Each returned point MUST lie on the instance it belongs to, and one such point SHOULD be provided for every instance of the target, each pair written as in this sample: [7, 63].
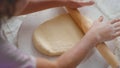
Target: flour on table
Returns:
[111, 8]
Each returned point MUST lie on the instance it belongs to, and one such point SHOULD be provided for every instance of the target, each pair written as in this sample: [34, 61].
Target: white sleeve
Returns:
[11, 57]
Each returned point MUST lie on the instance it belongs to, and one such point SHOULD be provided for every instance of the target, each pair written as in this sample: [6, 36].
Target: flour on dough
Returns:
[57, 35]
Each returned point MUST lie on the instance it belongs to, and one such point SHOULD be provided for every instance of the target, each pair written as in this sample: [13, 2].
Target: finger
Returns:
[117, 34]
[117, 29]
[117, 24]
[86, 3]
[100, 19]
[114, 21]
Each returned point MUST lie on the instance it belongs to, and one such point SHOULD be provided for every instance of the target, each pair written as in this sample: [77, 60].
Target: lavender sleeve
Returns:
[11, 57]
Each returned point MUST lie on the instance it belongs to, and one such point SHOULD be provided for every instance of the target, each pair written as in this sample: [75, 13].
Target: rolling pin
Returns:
[84, 24]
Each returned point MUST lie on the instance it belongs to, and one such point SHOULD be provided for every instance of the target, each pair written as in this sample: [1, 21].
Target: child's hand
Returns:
[78, 3]
[105, 31]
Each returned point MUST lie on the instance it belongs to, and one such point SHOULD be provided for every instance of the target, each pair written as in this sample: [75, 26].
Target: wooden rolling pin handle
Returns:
[82, 22]
[108, 55]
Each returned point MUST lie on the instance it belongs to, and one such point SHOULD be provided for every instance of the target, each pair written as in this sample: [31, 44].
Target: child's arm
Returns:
[30, 6]
[99, 32]
[73, 57]
[13, 58]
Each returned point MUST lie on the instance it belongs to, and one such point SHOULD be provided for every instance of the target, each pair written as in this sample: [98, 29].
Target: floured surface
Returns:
[111, 8]
[57, 35]
[116, 50]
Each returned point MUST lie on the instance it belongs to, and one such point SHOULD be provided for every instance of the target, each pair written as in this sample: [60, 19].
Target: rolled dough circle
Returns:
[56, 36]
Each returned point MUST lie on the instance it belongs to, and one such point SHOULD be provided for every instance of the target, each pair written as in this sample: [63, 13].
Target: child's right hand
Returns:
[104, 31]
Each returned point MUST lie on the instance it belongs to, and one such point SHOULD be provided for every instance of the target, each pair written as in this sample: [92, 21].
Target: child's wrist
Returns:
[93, 38]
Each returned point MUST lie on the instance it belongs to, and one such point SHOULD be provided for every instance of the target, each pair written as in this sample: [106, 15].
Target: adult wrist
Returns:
[60, 2]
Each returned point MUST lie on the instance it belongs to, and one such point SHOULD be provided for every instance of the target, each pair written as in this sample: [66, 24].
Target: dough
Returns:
[57, 35]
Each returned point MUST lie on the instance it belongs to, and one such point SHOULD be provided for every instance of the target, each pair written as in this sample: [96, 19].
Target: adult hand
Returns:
[78, 3]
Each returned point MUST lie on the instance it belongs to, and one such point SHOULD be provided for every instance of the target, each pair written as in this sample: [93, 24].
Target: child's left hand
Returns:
[105, 31]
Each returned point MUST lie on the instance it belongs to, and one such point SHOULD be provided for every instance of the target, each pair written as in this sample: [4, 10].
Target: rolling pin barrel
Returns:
[84, 25]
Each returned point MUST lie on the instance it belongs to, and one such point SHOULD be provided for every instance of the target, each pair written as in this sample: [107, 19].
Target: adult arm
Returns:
[30, 6]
